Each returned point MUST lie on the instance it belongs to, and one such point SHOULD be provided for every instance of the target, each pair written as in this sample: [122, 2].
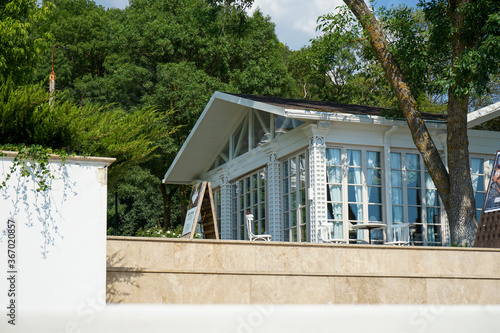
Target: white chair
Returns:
[325, 231]
[400, 234]
[251, 235]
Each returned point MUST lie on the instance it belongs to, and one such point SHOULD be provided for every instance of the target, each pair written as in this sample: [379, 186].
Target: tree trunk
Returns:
[167, 204]
[461, 208]
[454, 188]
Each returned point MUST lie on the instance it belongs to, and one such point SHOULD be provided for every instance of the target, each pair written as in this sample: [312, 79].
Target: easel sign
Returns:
[201, 206]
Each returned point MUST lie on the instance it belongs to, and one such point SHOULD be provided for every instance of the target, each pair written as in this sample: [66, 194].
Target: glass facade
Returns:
[294, 199]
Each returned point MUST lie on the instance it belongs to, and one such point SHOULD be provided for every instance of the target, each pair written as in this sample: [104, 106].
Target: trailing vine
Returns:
[32, 160]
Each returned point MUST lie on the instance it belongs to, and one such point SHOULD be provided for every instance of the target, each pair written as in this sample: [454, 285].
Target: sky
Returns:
[295, 20]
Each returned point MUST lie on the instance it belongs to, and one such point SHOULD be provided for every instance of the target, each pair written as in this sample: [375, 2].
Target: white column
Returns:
[387, 181]
[274, 196]
[317, 185]
[225, 209]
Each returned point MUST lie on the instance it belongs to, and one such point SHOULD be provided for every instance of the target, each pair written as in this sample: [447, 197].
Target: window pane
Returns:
[354, 158]
[375, 213]
[431, 198]
[414, 215]
[396, 178]
[293, 199]
[302, 162]
[412, 162]
[433, 215]
[355, 194]
[478, 183]
[374, 194]
[333, 156]
[286, 221]
[285, 203]
[373, 177]
[303, 197]
[354, 176]
[293, 167]
[335, 192]
[355, 212]
[414, 197]
[285, 169]
[373, 159]
[334, 211]
[397, 214]
[397, 196]
[395, 161]
[477, 165]
[302, 180]
[285, 186]
[479, 200]
[261, 125]
[334, 174]
[429, 183]
[413, 178]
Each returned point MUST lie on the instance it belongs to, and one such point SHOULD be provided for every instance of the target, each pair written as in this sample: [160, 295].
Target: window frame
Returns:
[346, 221]
[243, 190]
[302, 207]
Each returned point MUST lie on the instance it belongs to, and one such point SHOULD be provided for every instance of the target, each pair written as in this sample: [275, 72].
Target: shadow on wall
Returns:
[40, 207]
[119, 275]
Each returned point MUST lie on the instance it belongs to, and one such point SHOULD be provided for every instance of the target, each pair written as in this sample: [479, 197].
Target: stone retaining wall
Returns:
[180, 271]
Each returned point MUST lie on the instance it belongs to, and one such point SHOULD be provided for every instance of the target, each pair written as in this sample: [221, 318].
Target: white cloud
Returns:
[296, 19]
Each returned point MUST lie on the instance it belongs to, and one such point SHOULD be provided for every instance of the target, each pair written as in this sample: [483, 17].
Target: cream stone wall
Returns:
[179, 271]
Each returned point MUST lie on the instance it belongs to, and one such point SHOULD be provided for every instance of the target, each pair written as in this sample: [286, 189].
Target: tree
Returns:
[19, 49]
[27, 119]
[468, 33]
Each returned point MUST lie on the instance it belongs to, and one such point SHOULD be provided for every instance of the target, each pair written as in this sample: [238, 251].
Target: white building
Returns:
[299, 164]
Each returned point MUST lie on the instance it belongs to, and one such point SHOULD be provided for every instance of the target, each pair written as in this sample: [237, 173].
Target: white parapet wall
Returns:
[53, 242]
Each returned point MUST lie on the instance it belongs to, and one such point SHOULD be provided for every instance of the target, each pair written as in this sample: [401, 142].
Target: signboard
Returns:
[201, 209]
[492, 201]
[489, 223]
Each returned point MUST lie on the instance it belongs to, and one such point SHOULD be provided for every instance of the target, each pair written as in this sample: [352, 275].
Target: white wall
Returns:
[61, 235]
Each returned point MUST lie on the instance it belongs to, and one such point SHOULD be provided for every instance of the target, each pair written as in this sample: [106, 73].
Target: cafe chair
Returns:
[400, 234]
[325, 231]
[251, 235]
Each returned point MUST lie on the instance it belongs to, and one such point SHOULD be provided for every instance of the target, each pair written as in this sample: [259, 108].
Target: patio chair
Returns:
[400, 234]
[251, 235]
[325, 231]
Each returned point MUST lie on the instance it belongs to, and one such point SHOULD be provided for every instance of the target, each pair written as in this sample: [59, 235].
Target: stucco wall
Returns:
[60, 244]
[153, 270]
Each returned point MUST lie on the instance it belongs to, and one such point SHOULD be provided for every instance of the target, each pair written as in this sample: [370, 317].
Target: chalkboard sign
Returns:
[201, 208]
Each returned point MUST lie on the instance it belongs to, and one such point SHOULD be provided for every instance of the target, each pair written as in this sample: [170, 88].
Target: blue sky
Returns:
[295, 19]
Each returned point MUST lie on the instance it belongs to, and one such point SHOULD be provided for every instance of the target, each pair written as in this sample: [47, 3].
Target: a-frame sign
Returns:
[201, 208]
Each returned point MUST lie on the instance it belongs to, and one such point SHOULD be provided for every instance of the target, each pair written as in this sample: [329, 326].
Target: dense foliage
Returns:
[132, 82]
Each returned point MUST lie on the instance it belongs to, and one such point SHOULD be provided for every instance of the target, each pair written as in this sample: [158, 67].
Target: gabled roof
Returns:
[299, 104]
[224, 111]
[483, 115]
[213, 127]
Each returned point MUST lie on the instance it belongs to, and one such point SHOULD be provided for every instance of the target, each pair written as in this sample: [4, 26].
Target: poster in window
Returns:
[492, 201]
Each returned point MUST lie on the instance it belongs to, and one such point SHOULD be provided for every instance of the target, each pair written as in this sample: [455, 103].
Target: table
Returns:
[369, 226]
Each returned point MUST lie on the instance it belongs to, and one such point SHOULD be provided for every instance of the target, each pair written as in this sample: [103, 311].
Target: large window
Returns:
[294, 199]
[354, 193]
[248, 194]
[415, 199]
